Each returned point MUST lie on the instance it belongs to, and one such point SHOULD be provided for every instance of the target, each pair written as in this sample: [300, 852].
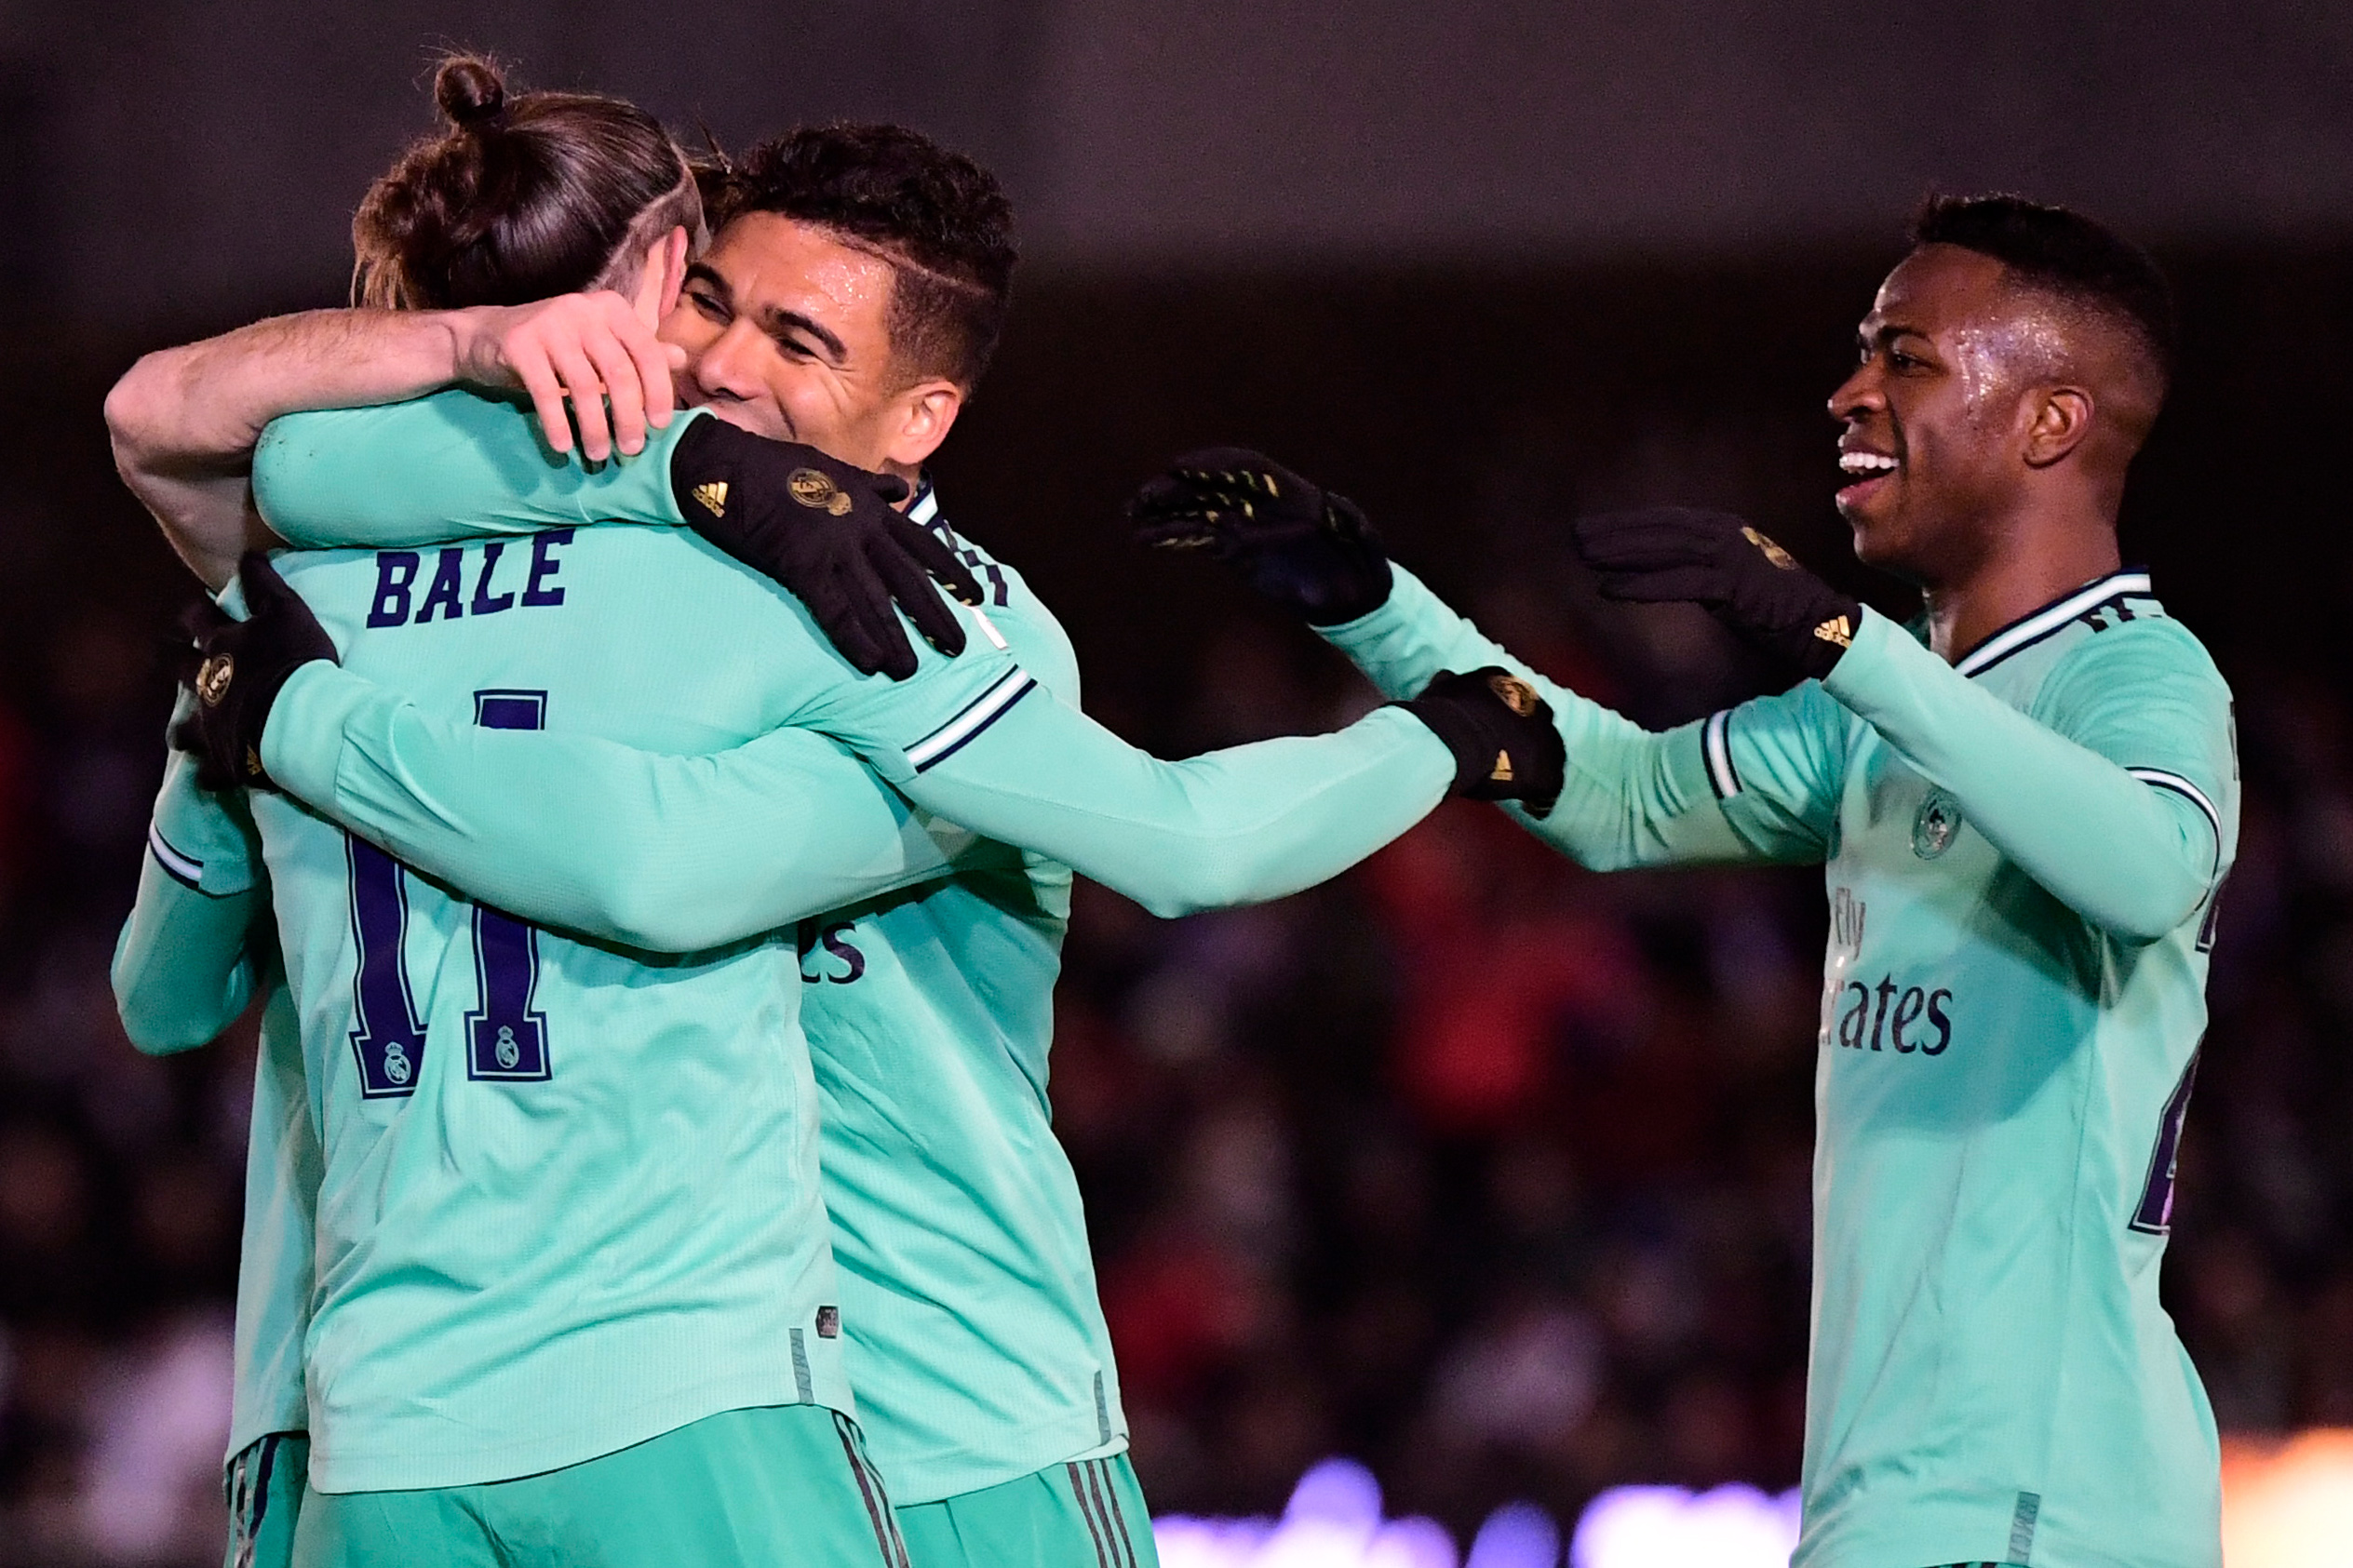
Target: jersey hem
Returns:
[397, 1467]
[1971, 1542]
[931, 1478]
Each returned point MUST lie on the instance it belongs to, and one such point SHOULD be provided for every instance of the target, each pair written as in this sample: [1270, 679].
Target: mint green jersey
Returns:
[977, 1347]
[2023, 853]
[570, 1193]
[197, 947]
[973, 1336]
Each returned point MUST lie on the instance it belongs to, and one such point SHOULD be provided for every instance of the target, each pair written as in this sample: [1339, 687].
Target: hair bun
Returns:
[470, 91]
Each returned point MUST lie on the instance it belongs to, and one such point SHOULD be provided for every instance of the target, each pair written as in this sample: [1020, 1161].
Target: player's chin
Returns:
[1876, 536]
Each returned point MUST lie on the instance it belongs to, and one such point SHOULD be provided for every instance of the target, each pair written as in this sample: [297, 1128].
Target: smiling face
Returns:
[788, 333]
[1939, 419]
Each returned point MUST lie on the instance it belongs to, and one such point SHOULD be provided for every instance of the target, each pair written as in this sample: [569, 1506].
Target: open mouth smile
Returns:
[1867, 472]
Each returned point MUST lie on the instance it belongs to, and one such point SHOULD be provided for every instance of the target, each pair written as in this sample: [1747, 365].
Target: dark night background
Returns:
[1486, 1171]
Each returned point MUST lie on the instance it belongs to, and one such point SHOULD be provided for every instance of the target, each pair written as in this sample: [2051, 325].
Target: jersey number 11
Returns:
[505, 1040]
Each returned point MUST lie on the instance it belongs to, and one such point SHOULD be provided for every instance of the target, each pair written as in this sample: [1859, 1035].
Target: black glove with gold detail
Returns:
[240, 667]
[1303, 547]
[1752, 584]
[830, 533]
[1501, 733]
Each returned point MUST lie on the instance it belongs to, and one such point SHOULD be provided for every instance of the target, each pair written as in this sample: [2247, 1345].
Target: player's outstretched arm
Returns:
[786, 826]
[457, 465]
[1241, 825]
[184, 421]
[1631, 798]
[1635, 797]
[187, 962]
[672, 855]
[705, 849]
[2114, 796]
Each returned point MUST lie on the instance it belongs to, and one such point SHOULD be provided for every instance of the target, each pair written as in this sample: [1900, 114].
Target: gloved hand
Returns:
[240, 667]
[1305, 548]
[1752, 584]
[828, 532]
[1501, 733]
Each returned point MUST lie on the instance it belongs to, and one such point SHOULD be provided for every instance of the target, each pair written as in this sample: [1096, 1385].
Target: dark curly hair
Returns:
[2063, 253]
[940, 220]
[524, 197]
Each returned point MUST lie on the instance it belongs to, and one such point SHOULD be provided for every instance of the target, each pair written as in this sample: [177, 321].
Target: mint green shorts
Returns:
[1089, 1513]
[264, 1485]
[785, 1484]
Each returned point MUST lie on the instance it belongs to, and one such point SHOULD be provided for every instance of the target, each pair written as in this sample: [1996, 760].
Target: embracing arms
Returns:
[192, 429]
[184, 421]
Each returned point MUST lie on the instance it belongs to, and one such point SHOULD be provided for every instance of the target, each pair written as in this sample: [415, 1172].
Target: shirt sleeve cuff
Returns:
[1390, 613]
[1883, 658]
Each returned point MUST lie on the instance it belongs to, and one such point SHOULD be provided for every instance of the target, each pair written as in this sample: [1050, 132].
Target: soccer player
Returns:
[198, 943]
[972, 732]
[2025, 803]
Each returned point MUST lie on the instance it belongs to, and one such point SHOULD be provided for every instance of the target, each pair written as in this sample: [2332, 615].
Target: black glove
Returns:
[1305, 548]
[240, 667]
[829, 532]
[1751, 583]
[1501, 733]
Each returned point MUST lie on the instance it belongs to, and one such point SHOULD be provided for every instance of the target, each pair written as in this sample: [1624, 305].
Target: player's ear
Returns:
[924, 414]
[2061, 419]
[663, 276]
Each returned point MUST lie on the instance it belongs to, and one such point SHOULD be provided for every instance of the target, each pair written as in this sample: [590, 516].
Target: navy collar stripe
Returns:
[2051, 617]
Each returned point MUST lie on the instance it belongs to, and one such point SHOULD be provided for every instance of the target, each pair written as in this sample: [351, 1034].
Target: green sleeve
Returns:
[454, 465]
[185, 965]
[673, 854]
[1632, 798]
[2114, 794]
[1237, 826]
[697, 850]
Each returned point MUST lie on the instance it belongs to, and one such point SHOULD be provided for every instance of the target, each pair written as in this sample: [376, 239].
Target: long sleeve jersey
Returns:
[2022, 855]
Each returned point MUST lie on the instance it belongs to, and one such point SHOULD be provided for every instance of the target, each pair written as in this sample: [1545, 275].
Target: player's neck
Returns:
[2014, 581]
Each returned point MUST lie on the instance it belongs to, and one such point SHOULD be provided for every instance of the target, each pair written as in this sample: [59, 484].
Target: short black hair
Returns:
[2061, 253]
[940, 220]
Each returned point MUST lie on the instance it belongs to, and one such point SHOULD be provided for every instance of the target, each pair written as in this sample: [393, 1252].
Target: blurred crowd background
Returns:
[1486, 1171]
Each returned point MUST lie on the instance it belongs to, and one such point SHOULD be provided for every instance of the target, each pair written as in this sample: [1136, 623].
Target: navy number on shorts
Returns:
[505, 1040]
[389, 1040]
[2154, 1214]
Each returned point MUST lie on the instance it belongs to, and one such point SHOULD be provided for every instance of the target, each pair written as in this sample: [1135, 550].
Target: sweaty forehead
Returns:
[1943, 288]
[767, 260]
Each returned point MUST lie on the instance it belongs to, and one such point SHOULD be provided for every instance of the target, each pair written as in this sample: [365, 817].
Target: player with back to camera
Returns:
[2025, 802]
[1156, 829]
[599, 197]
[596, 194]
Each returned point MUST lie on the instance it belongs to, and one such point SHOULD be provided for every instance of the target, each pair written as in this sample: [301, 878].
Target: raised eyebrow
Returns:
[781, 324]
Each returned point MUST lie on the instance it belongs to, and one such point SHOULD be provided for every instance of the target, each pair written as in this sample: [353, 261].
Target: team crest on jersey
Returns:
[1936, 825]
